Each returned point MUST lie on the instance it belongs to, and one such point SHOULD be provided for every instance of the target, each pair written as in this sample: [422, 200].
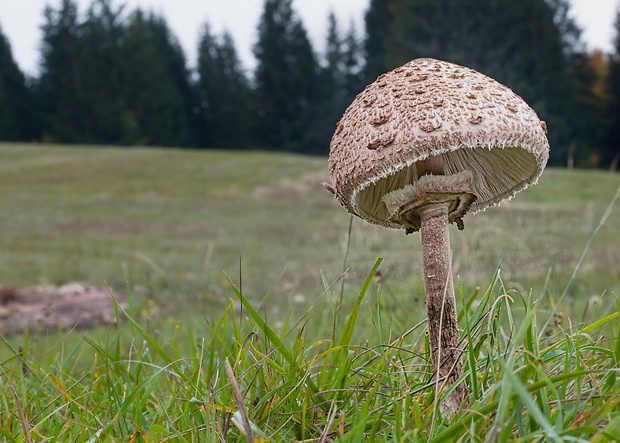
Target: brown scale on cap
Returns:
[430, 108]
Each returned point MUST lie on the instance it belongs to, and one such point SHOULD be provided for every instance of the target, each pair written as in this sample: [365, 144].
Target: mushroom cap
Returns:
[431, 109]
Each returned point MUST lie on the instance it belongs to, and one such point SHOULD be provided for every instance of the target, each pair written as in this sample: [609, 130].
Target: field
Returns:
[168, 228]
[172, 223]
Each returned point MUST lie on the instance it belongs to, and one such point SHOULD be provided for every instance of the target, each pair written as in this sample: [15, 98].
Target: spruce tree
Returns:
[334, 75]
[334, 57]
[81, 83]
[378, 20]
[16, 104]
[341, 78]
[569, 31]
[611, 151]
[224, 94]
[61, 88]
[157, 95]
[100, 67]
[353, 60]
[113, 78]
[287, 82]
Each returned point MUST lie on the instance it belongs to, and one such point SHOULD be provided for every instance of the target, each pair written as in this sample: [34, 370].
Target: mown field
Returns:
[171, 223]
[168, 227]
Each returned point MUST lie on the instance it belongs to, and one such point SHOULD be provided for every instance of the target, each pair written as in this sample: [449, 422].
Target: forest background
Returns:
[114, 76]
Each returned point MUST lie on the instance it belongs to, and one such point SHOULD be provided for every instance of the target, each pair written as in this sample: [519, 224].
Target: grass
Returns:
[561, 386]
[167, 224]
[315, 356]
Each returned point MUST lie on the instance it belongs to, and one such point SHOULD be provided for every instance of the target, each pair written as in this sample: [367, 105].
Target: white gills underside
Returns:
[497, 174]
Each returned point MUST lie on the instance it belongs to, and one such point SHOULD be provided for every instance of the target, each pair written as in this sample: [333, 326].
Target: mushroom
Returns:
[421, 147]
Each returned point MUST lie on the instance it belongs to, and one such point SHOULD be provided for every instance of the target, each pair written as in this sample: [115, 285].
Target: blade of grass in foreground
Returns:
[532, 408]
[338, 354]
[271, 335]
[451, 433]
[127, 403]
[172, 364]
[347, 332]
[532, 395]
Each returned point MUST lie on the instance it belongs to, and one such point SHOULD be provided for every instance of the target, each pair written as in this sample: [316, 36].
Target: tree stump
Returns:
[40, 308]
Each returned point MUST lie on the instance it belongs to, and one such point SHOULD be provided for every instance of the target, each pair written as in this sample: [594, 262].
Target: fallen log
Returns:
[40, 308]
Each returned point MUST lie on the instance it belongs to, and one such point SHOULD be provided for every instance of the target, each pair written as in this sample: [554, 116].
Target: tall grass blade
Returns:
[523, 395]
[347, 332]
[581, 259]
[153, 343]
[272, 336]
[346, 258]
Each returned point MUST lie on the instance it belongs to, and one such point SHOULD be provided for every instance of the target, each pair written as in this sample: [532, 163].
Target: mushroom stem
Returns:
[441, 303]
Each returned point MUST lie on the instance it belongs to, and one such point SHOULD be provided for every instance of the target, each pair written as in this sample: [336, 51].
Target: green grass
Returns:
[169, 223]
[523, 387]
[316, 357]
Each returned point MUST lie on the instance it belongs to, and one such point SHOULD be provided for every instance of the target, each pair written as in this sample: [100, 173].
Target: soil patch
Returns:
[74, 305]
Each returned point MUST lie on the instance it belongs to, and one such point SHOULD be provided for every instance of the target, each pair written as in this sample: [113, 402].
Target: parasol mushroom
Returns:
[418, 149]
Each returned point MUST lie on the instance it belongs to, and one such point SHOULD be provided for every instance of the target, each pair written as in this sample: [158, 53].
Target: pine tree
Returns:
[611, 152]
[16, 104]
[113, 78]
[334, 75]
[567, 27]
[224, 93]
[158, 102]
[353, 60]
[334, 56]
[100, 65]
[378, 20]
[341, 78]
[287, 82]
[61, 89]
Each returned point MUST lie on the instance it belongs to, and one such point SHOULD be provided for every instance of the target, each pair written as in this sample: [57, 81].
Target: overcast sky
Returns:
[21, 19]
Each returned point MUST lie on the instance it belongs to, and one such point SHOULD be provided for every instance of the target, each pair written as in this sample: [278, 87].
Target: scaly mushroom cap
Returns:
[438, 113]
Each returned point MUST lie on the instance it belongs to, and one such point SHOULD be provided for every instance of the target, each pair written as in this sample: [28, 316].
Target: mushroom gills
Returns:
[405, 204]
[498, 174]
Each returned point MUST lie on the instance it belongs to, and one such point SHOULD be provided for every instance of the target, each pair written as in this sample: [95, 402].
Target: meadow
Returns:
[329, 345]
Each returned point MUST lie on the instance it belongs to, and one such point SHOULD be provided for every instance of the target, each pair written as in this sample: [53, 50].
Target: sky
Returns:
[21, 20]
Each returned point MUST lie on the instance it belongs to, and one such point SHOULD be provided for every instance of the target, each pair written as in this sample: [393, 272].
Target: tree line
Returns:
[113, 76]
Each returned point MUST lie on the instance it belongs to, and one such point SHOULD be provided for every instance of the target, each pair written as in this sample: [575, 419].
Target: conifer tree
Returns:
[100, 66]
[334, 74]
[342, 74]
[16, 104]
[611, 151]
[353, 59]
[585, 109]
[378, 20]
[113, 78]
[157, 94]
[224, 93]
[569, 31]
[288, 91]
[61, 88]
[334, 57]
